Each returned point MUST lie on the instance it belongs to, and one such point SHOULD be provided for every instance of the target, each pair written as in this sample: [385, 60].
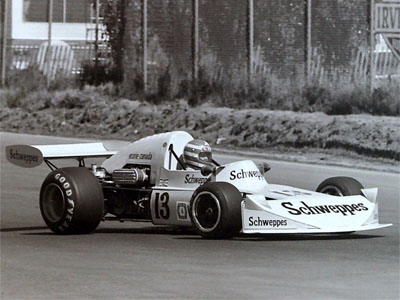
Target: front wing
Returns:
[311, 214]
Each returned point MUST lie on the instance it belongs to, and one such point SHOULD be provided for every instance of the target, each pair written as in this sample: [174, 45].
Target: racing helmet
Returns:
[197, 154]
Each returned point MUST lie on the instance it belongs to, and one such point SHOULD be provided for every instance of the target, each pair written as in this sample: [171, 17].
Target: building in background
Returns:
[72, 32]
[73, 21]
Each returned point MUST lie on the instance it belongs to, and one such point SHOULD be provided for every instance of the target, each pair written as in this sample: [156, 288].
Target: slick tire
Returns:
[340, 186]
[71, 201]
[215, 210]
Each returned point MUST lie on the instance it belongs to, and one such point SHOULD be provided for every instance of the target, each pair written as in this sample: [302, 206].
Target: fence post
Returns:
[309, 41]
[48, 53]
[195, 41]
[195, 50]
[144, 38]
[4, 44]
[250, 27]
[372, 47]
[96, 44]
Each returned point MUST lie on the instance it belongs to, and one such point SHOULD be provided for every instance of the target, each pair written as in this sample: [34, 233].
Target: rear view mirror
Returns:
[207, 170]
[264, 167]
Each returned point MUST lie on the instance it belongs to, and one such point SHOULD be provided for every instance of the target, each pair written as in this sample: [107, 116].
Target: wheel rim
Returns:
[53, 203]
[331, 190]
[206, 211]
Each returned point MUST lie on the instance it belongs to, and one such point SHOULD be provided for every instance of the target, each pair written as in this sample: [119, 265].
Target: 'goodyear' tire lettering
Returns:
[70, 202]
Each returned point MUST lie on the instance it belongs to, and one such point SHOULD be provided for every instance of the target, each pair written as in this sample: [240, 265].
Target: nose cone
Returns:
[244, 175]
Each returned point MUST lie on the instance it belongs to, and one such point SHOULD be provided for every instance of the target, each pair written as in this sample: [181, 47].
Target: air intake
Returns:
[129, 176]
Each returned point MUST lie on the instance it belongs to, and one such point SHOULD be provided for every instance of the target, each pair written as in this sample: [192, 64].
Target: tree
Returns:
[113, 17]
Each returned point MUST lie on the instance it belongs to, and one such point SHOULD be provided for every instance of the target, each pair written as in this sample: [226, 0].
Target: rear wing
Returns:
[31, 156]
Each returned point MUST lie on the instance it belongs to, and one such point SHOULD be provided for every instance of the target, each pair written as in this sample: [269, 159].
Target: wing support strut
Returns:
[50, 165]
[53, 167]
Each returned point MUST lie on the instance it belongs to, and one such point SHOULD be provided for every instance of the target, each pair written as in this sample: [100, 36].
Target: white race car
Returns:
[148, 180]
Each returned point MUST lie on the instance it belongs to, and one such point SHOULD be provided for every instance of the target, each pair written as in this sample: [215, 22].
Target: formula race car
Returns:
[172, 179]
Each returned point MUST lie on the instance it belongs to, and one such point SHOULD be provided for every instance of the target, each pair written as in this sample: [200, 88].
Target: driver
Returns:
[197, 154]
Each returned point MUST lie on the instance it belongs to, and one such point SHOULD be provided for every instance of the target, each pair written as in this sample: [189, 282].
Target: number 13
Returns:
[163, 211]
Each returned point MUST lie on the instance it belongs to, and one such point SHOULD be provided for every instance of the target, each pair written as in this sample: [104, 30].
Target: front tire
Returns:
[340, 186]
[215, 210]
[71, 201]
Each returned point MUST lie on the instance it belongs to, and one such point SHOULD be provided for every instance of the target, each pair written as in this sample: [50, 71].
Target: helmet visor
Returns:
[205, 157]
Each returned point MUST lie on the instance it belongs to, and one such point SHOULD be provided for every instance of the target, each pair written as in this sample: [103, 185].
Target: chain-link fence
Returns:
[243, 40]
[183, 43]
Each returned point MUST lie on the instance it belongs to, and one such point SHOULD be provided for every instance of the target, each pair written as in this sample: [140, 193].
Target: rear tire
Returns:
[215, 210]
[71, 201]
[340, 186]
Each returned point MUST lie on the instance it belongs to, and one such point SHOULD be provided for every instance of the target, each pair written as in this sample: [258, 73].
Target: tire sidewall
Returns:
[348, 186]
[229, 199]
[71, 182]
[59, 178]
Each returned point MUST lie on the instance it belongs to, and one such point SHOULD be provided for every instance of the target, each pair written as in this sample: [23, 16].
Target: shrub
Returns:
[27, 80]
[356, 99]
[100, 74]
[32, 79]
[69, 99]
[11, 97]
[385, 103]
[63, 82]
[314, 94]
[341, 96]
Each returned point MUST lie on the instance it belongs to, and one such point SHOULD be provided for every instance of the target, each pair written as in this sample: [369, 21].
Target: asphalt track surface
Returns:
[138, 260]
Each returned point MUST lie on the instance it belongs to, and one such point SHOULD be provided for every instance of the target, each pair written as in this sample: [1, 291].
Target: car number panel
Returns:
[170, 207]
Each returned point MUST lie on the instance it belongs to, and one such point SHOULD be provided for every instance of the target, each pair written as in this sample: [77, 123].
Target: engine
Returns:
[126, 191]
[127, 203]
